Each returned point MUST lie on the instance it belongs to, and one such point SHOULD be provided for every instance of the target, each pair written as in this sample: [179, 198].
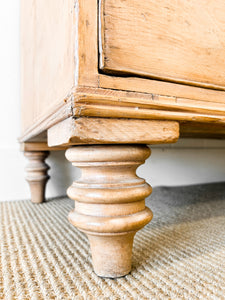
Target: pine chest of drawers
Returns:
[105, 78]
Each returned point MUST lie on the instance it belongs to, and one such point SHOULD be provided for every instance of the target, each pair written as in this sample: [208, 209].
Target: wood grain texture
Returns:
[37, 174]
[89, 95]
[141, 113]
[109, 202]
[98, 102]
[158, 87]
[92, 94]
[145, 106]
[86, 43]
[47, 56]
[166, 40]
[112, 131]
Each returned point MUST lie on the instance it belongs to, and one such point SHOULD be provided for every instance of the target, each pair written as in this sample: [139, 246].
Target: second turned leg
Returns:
[109, 202]
[37, 174]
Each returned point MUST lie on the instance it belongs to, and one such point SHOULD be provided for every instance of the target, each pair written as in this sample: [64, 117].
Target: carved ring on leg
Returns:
[37, 174]
[109, 202]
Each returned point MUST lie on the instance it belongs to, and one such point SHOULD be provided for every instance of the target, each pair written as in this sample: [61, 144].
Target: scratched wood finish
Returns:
[97, 102]
[112, 131]
[106, 103]
[178, 41]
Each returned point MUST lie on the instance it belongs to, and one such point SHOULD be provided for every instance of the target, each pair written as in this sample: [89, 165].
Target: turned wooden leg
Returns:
[37, 174]
[109, 202]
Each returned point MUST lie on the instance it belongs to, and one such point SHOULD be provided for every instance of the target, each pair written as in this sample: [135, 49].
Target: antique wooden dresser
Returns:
[103, 79]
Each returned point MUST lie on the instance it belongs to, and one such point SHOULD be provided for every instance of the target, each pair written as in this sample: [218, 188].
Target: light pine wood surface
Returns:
[167, 40]
[112, 131]
[47, 56]
[37, 174]
[112, 76]
[60, 44]
[109, 202]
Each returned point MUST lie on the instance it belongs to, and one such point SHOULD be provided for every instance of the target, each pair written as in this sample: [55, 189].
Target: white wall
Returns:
[167, 166]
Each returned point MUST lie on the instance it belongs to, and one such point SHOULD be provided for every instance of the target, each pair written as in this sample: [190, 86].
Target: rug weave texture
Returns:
[179, 255]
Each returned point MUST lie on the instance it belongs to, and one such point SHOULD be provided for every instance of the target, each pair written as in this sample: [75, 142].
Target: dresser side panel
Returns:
[47, 56]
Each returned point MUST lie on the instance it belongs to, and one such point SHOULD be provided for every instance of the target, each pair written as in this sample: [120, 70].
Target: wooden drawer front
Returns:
[177, 41]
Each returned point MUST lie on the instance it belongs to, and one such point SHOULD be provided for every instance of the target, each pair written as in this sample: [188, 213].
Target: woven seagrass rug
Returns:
[179, 255]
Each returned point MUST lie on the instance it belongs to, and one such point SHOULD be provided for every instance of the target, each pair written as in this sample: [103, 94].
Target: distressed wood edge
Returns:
[146, 85]
[116, 70]
[107, 111]
[89, 93]
[89, 102]
[106, 103]
[83, 131]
